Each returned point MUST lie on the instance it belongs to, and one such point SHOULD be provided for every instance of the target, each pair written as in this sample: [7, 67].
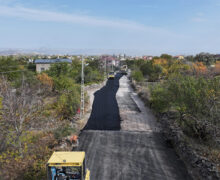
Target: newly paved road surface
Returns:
[105, 111]
[129, 147]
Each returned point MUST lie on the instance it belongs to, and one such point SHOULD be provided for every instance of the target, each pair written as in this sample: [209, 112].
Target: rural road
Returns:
[123, 141]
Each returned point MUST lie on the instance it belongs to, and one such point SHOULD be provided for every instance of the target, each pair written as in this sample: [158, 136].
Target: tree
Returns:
[196, 100]
[59, 69]
[217, 68]
[69, 102]
[199, 68]
[160, 98]
[45, 80]
[22, 150]
[147, 68]
[137, 75]
[166, 56]
[94, 64]
[178, 67]
[19, 108]
[152, 69]
[8, 64]
[189, 58]
[63, 83]
[205, 58]
[92, 75]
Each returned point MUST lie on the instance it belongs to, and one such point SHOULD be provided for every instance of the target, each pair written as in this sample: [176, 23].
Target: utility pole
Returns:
[105, 70]
[82, 90]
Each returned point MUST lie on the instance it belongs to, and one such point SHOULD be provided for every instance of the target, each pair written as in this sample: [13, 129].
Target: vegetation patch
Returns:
[38, 110]
[185, 94]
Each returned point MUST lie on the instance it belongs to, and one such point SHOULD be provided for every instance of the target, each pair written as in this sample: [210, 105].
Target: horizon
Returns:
[84, 52]
[124, 26]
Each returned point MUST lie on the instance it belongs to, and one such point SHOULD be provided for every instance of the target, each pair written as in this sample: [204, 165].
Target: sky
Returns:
[149, 27]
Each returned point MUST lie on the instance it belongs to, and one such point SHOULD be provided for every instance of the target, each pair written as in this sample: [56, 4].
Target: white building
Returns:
[45, 64]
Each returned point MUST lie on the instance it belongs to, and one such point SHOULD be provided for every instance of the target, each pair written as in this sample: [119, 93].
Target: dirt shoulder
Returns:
[134, 115]
[90, 91]
[198, 166]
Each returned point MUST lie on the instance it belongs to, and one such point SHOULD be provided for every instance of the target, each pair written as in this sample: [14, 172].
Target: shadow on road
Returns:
[105, 111]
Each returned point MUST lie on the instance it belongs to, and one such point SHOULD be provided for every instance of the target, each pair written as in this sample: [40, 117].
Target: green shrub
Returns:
[62, 132]
[147, 68]
[159, 98]
[166, 56]
[152, 71]
[63, 83]
[8, 64]
[196, 100]
[59, 69]
[1, 102]
[68, 103]
[137, 75]
[92, 76]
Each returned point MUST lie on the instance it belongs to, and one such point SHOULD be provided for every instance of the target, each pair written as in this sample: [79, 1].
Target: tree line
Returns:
[189, 88]
[36, 112]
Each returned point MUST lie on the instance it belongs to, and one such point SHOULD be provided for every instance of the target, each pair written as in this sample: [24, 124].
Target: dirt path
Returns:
[134, 115]
[132, 148]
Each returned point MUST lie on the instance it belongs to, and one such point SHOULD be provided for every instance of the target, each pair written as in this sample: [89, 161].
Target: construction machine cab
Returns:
[67, 166]
[124, 69]
[111, 75]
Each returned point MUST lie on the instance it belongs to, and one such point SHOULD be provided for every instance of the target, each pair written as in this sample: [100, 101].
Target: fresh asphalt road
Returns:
[113, 153]
[105, 111]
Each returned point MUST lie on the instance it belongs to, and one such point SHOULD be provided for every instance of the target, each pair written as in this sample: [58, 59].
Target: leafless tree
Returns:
[19, 109]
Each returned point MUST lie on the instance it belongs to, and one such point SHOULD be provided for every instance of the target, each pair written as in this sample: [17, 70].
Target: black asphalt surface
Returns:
[125, 155]
[105, 111]
[114, 154]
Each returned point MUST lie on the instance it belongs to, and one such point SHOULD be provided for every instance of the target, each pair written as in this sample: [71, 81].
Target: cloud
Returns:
[51, 16]
[131, 34]
[83, 19]
[199, 19]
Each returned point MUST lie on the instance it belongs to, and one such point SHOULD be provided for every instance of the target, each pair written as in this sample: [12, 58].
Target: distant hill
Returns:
[48, 51]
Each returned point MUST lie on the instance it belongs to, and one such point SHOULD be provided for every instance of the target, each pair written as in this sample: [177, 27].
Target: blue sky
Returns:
[131, 26]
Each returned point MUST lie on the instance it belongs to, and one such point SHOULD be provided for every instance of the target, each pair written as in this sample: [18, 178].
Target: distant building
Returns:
[122, 59]
[180, 57]
[30, 60]
[110, 60]
[147, 58]
[45, 64]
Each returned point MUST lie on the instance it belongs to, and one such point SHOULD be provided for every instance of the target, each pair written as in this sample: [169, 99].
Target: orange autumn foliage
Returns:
[162, 62]
[200, 68]
[45, 79]
[217, 68]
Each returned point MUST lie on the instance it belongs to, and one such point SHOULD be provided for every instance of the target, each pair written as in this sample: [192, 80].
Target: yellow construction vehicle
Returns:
[124, 70]
[67, 166]
[111, 75]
